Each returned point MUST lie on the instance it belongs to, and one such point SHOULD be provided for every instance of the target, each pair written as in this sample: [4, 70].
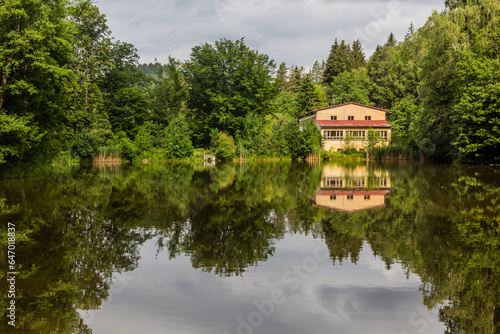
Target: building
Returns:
[349, 120]
[352, 189]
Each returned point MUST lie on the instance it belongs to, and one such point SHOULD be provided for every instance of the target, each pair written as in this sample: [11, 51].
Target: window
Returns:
[356, 135]
[335, 135]
[367, 197]
[350, 118]
[339, 150]
[333, 118]
[351, 197]
[333, 197]
[361, 149]
[368, 118]
[333, 182]
[383, 135]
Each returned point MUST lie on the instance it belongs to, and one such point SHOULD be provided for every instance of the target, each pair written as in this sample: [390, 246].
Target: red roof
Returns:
[341, 105]
[353, 124]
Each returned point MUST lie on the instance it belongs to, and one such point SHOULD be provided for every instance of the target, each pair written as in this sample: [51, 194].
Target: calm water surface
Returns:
[254, 248]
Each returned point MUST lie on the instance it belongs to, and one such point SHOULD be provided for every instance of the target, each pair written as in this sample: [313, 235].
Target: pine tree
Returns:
[281, 77]
[391, 41]
[357, 56]
[410, 32]
[307, 98]
[295, 79]
[337, 62]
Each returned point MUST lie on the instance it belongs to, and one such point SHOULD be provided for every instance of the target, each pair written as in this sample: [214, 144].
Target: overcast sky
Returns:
[297, 32]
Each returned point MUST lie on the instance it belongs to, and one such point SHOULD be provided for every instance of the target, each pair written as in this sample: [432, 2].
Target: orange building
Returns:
[349, 120]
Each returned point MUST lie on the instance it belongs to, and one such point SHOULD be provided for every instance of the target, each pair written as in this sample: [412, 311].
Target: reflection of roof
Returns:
[353, 124]
[341, 105]
[353, 192]
[352, 210]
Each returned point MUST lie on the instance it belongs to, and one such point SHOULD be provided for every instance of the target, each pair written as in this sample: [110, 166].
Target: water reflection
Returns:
[78, 228]
[353, 189]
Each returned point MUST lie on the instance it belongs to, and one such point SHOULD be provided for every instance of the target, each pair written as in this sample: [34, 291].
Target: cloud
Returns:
[297, 32]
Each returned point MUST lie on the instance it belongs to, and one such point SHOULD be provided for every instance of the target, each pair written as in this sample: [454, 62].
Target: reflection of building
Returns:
[352, 189]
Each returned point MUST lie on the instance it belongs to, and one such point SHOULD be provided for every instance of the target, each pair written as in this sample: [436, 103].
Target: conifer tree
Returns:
[337, 62]
[281, 76]
[357, 56]
[307, 98]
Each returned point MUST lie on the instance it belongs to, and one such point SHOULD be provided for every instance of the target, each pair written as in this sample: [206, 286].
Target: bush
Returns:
[175, 140]
[85, 145]
[222, 145]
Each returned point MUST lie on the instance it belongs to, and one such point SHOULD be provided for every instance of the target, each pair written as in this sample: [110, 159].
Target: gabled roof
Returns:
[353, 124]
[340, 105]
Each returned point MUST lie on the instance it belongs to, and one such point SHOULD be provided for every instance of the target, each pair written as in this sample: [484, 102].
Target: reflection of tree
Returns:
[77, 228]
[341, 245]
[233, 227]
[66, 252]
[442, 224]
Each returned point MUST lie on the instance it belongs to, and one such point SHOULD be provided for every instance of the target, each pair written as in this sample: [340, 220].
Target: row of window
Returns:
[338, 182]
[338, 135]
[350, 197]
[350, 118]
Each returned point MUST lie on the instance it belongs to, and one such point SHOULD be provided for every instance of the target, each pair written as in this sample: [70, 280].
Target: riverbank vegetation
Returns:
[68, 86]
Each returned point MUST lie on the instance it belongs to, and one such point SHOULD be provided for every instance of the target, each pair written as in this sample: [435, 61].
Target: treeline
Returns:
[69, 89]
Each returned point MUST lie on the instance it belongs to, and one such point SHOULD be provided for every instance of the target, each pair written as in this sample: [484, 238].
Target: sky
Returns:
[297, 32]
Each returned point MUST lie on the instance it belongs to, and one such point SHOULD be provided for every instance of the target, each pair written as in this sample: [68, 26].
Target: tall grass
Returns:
[393, 152]
[109, 153]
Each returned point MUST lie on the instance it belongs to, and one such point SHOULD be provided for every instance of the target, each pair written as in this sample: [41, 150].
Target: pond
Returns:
[268, 247]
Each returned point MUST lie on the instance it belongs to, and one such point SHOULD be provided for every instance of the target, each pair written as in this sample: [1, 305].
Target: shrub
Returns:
[85, 145]
[222, 145]
[175, 140]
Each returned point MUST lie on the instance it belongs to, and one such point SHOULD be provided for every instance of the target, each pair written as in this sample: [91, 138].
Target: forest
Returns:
[71, 92]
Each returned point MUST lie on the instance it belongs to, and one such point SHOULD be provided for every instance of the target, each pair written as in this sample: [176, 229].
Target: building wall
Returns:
[343, 112]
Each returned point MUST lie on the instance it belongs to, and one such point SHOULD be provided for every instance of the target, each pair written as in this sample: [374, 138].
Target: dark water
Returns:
[254, 248]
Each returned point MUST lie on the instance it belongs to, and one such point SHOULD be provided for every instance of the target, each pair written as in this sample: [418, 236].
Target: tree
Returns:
[350, 87]
[176, 139]
[307, 96]
[281, 75]
[92, 48]
[226, 81]
[478, 111]
[222, 145]
[35, 50]
[337, 62]
[357, 56]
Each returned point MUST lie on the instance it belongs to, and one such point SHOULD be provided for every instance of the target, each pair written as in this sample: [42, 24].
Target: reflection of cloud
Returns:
[297, 32]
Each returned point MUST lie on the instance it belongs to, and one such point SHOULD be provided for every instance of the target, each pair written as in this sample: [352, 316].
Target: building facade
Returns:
[348, 124]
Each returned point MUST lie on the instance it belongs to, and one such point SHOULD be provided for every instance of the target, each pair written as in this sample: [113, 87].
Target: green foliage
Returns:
[284, 103]
[85, 145]
[351, 86]
[401, 117]
[222, 145]
[337, 62]
[308, 97]
[16, 136]
[35, 50]
[227, 80]
[478, 112]
[175, 139]
[127, 148]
